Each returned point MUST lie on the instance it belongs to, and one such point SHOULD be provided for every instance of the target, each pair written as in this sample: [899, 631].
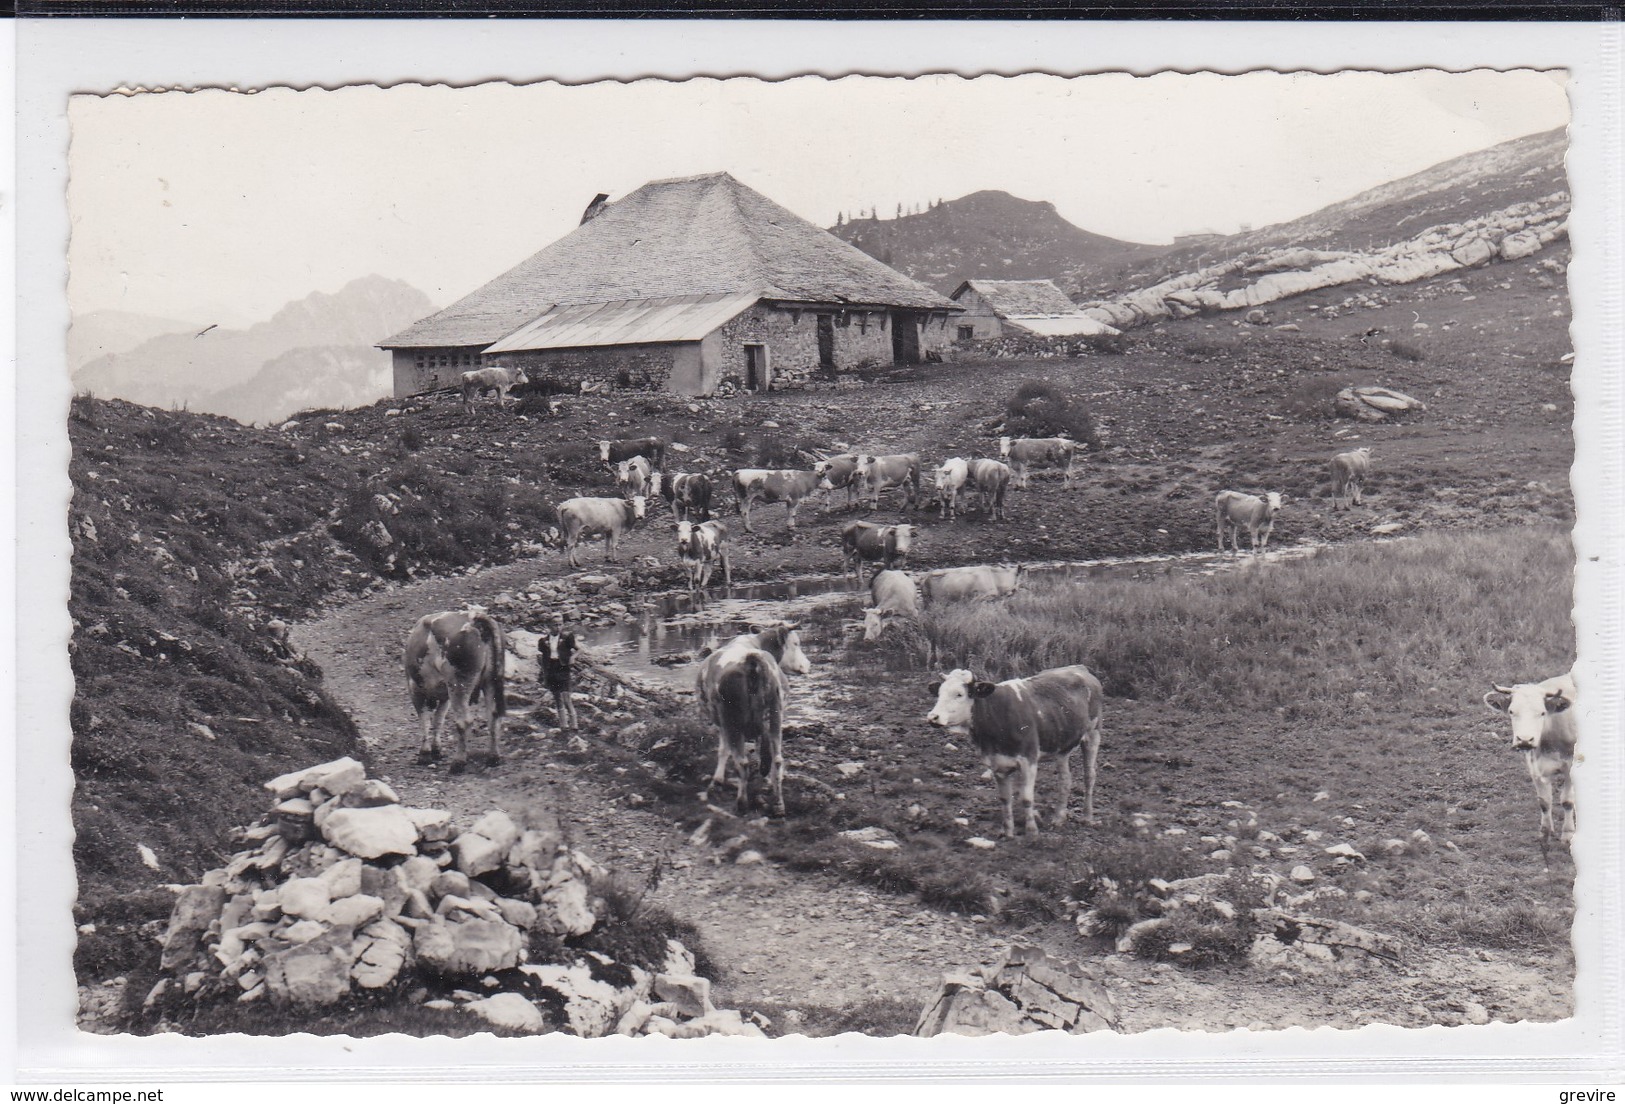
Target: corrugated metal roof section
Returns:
[1061, 325]
[625, 322]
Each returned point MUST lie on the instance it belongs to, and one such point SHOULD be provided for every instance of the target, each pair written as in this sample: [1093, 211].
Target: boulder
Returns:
[343, 879]
[373, 832]
[338, 777]
[475, 854]
[195, 909]
[1302, 941]
[418, 872]
[508, 1010]
[592, 1008]
[370, 793]
[691, 995]
[305, 897]
[316, 972]
[1025, 991]
[498, 827]
[354, 911]
[468, 946]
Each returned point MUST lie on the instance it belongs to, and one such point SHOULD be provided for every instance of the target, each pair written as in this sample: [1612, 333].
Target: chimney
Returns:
[594, 207]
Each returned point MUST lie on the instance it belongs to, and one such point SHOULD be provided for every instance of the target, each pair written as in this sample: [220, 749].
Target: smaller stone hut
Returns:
[1002, 308]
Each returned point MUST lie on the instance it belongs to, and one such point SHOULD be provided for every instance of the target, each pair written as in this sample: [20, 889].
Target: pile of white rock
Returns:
[342, 890]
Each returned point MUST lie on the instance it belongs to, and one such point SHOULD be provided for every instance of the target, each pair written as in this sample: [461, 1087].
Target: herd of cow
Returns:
[454, 660]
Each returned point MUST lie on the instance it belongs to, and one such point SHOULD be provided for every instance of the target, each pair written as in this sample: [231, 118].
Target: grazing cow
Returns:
[555, 662]
[835, 472]
[484, 380]
[743, 691]
[454, 660]
[1348, 477]
[894, 594]
[1234, 511]
[633, 477]
[690, 496]
[701, 547]
[991, 479]
[1027, 453]
[613, 452]
[876, 474]
[753, 485]
[1015, 723]
[958, 584]
[1543, 728]
[862, 540]
[597, 517]
[951, 479]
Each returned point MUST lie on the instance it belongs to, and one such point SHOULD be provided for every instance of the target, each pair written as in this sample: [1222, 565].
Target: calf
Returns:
[1234, 511]
[613, 452]
[701, 547]
[876, 474]
[1027, 453]
[839, 471]
[958, 584]
[951, 479]
[633, 477]
[754, 485]
[595, 517]
[743, 691]
[1348, 477]
[690, 496]
[454, 660]
[991, 480]
[1543, 728]
[1015, 723]
[861, 540]
[483, 380]
[894, 594]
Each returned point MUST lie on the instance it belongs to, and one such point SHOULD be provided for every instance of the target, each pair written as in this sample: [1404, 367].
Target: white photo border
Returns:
[57, 58]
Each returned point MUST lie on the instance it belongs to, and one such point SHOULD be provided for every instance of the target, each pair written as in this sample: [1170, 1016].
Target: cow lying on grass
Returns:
[454, 660]
[895, 595]
[1543, 728]
[1015, 723]
[743, 691]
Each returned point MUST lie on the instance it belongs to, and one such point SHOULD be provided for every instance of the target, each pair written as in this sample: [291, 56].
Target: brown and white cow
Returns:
[701, 547]
[1349, 470]
[878, 474]
[454, 661]
[959, 584]
[1544, 729]
[991, 480]
[484, 380]
[759, 485]
[633, 477]
[951, 480]
[743, 691]
[1026, 453]
[598, 517]
[894, 595]
[690, 496]
[654, 448]
[835, 472]
[887, 544]
[1015, 723]
[1234, 511]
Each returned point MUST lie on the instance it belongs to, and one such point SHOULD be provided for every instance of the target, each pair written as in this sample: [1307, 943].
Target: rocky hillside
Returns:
[988, 235]
[317, 351]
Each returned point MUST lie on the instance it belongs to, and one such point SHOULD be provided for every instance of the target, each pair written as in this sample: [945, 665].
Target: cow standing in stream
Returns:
[743, 691]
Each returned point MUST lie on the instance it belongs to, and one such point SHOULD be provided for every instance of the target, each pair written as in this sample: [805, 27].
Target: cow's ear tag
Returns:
[982, 689]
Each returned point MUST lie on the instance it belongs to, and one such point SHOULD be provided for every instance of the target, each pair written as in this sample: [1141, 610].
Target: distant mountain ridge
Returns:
[99, 333]
[990, 235]
[315, 351]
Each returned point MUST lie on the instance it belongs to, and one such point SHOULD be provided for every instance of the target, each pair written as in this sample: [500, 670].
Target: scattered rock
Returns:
[1022, 992]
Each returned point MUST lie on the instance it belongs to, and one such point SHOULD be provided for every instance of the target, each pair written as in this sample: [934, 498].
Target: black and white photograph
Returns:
[953, 556]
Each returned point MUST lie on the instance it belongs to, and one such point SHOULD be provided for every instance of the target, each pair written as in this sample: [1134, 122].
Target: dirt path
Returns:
[807, 941]
[781, 940]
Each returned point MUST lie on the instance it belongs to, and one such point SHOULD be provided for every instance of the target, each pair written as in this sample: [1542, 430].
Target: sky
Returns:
[223, 206]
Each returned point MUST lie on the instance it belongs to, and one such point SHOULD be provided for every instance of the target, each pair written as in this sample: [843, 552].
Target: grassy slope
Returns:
[273, 523]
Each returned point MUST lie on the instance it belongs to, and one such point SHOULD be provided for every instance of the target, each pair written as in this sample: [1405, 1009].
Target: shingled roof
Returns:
[1014, 298]
[699, 235]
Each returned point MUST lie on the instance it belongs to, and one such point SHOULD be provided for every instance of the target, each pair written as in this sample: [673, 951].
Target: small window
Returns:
[967, 333]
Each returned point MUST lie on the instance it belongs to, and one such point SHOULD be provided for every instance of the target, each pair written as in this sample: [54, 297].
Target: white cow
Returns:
[1348, 477]
[595, 517]
[1543, 728]
[1234, 511]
